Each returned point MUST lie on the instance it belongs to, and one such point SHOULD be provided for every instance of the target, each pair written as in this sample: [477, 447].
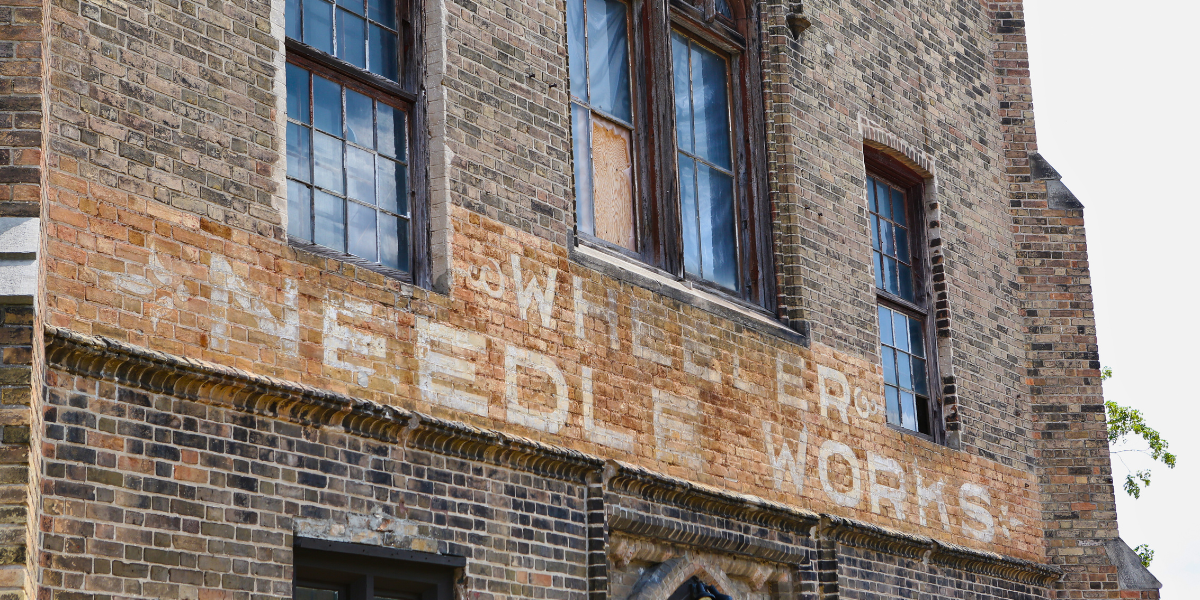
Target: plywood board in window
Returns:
[612, 157]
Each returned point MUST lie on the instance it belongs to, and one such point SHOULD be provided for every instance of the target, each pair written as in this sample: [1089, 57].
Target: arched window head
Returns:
[696, 589]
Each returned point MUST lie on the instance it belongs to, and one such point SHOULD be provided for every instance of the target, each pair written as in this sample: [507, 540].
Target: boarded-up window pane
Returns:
[612, 157]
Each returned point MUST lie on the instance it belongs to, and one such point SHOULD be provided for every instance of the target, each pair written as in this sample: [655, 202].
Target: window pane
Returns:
[393, 191]
[383, 12]
[577, 49]
[906, 283]
[299, 210]
[362, 231]
[898, 208]
[871, 196]
[919, 376]
[305, 593]
[608, 58]
[874, 232]
[900, 327]
[391, 131]
[923, 415]
[352, 39]
[327, 153]
[299, 152]
[327, 105]
[902, 245]
[724, 9]
[330, 227]
[612, 169]
[904, 370]
[887, 239]
[893, 404]
[389, 243]
[356, 6]
[717, 226]
[889, 365]
[885, 326]
[581, 140]
[688, 215]
[885, 210]
[684, 127]
[292, 10]
[360, 174]
[890, 277]
[318, 25]
[359, 128]
[710, 89]
[384, 53]
[297, 91]
[404, 244]
[916, 337]
[878, 270]
[908, 410]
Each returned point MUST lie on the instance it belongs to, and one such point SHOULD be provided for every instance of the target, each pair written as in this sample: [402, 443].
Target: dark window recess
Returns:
[351, 108]
[694, 589]
[666, 115]
[898, 247]
[343, 571]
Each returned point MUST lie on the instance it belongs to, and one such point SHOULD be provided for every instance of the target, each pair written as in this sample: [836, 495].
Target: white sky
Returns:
[1115, 92]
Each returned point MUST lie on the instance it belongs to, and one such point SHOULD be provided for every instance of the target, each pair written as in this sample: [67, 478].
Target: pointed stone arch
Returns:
[660, 582]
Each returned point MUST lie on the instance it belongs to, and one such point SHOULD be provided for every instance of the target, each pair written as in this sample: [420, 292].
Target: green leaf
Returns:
[1145, 553]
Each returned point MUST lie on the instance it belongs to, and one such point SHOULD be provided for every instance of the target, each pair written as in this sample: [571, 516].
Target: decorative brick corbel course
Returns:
[747, 522]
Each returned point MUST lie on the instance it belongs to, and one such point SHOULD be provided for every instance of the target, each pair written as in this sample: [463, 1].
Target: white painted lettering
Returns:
[878, 491]
[606, 314]
[852, 497]
[984, 528]
[595, 432]
[531, 295]
[444, 379]
[675, 430]
[549, 421]
[790, 387]
[348, 346]
[934, 494]
[839, 400]
[785, 464]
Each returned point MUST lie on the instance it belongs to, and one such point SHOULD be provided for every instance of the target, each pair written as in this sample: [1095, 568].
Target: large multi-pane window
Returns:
[665, 156]
[349, 188]
[896, 247]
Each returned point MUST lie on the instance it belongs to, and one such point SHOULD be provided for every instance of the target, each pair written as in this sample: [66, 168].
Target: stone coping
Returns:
[220, 385]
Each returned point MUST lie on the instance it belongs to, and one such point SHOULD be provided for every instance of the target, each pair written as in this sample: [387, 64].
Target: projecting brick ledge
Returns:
[219, 385]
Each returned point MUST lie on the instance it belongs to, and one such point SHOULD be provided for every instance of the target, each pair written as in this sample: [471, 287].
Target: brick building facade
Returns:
[869, 370]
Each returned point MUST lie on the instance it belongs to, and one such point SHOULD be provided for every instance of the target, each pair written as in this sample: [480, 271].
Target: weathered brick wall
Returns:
[151, 496]
[21, 44]
[1061, 353]
[200, 493]
[165, 231]
[922, 74]
[16, 361]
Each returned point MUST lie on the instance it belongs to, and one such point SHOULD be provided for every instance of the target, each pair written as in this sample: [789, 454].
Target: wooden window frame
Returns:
[893, 172]
[657, 209]
[360, 571]
[405, 94]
